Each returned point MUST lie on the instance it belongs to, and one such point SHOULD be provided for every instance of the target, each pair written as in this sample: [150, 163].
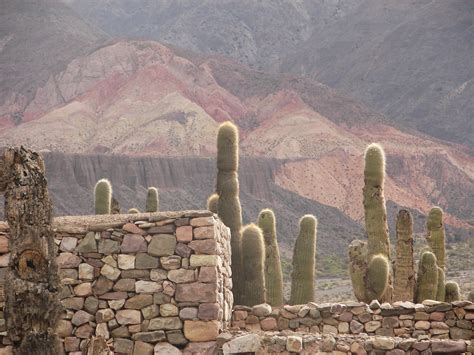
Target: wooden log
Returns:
[32, 306]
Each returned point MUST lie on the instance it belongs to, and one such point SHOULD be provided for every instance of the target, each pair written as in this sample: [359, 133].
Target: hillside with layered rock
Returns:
[411, 60]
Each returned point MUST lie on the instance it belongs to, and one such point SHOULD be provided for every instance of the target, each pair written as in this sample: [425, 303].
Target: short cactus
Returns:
[152, 200]
[273, 272]
[228, 205]
[427, 283]
[404, 278]
[304, 258]
[212, 202]
[453, 293]
[376, 279]
[103, 197]
[114, 206]
[436, 235]
[358, 268]
[441, 291]
[133, 210]
[253, 250]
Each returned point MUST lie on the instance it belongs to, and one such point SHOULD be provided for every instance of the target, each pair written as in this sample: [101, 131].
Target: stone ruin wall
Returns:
[152, 283]
[139, 280]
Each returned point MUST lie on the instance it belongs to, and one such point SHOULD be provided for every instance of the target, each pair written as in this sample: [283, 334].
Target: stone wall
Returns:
[148, 282]
[430, 320]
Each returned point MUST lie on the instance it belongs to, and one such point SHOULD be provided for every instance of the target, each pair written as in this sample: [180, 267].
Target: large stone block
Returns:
[196, 330]
[162, 245]
[196, 292]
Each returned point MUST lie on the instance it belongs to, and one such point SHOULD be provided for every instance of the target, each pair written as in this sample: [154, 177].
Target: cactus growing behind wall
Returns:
[404, 278]
[436, 235]
[114, 206]
[376, 279]
[212, 202]
[304, 254]
[273, 272]
[453, 293]
[441, 291]
[253, 251]
[133, 210]
[152, 200]
[427, 282]
[103, 197]
[228, 205]
[362, 254]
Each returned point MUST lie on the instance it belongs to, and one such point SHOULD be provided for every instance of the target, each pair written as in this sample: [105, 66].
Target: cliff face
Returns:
[185, 183]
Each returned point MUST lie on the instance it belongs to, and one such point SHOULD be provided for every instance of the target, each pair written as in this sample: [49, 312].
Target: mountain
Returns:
[38, 38]
[409, 59]
[141, 98]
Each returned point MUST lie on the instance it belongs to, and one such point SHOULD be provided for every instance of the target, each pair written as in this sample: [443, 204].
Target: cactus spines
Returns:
[253, 265]
[453, 293]
[212, 202]
[304, 254]
[133, 210]
[441, 291]
[103, 196]
[228, 204]
[273, 272]
[404, 278]
[377, 275]
[358, 267]
[152, 200]
[427, 283]
[436, 236]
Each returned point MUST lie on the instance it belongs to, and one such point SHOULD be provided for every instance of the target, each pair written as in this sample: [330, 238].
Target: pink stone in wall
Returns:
[184, 234]
[134, 243]
[196, 292]
[133, 229]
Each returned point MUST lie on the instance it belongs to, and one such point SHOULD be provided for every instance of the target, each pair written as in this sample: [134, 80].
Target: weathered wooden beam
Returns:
[32, 306]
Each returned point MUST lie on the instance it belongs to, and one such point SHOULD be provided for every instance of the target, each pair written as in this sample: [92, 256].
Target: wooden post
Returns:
[32, 306]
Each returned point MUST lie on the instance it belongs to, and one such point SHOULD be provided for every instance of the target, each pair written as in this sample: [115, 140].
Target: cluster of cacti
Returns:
[253, 249]
[304, 255]
[152, 200]
[370, 268]
[228, 203]
[369, 265]
[273, 272]
[103, 197]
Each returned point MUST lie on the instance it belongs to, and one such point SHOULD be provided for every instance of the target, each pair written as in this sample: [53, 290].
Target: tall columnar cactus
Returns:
[453, 293]
[304, 258]
[441, 291]
[273, 272]
[103, 197]
[436, 236]
[374, 201]
[427, 283]
[212, 202]
[364, 254]
[228, 205]
[152, 200]
[253, 250]
[404, 278]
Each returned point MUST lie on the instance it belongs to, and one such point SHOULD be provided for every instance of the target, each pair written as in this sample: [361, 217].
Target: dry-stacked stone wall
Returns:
[147, 282]
[430, 320]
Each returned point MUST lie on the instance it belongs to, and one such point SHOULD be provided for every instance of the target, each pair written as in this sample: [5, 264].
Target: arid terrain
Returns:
[144, 113]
